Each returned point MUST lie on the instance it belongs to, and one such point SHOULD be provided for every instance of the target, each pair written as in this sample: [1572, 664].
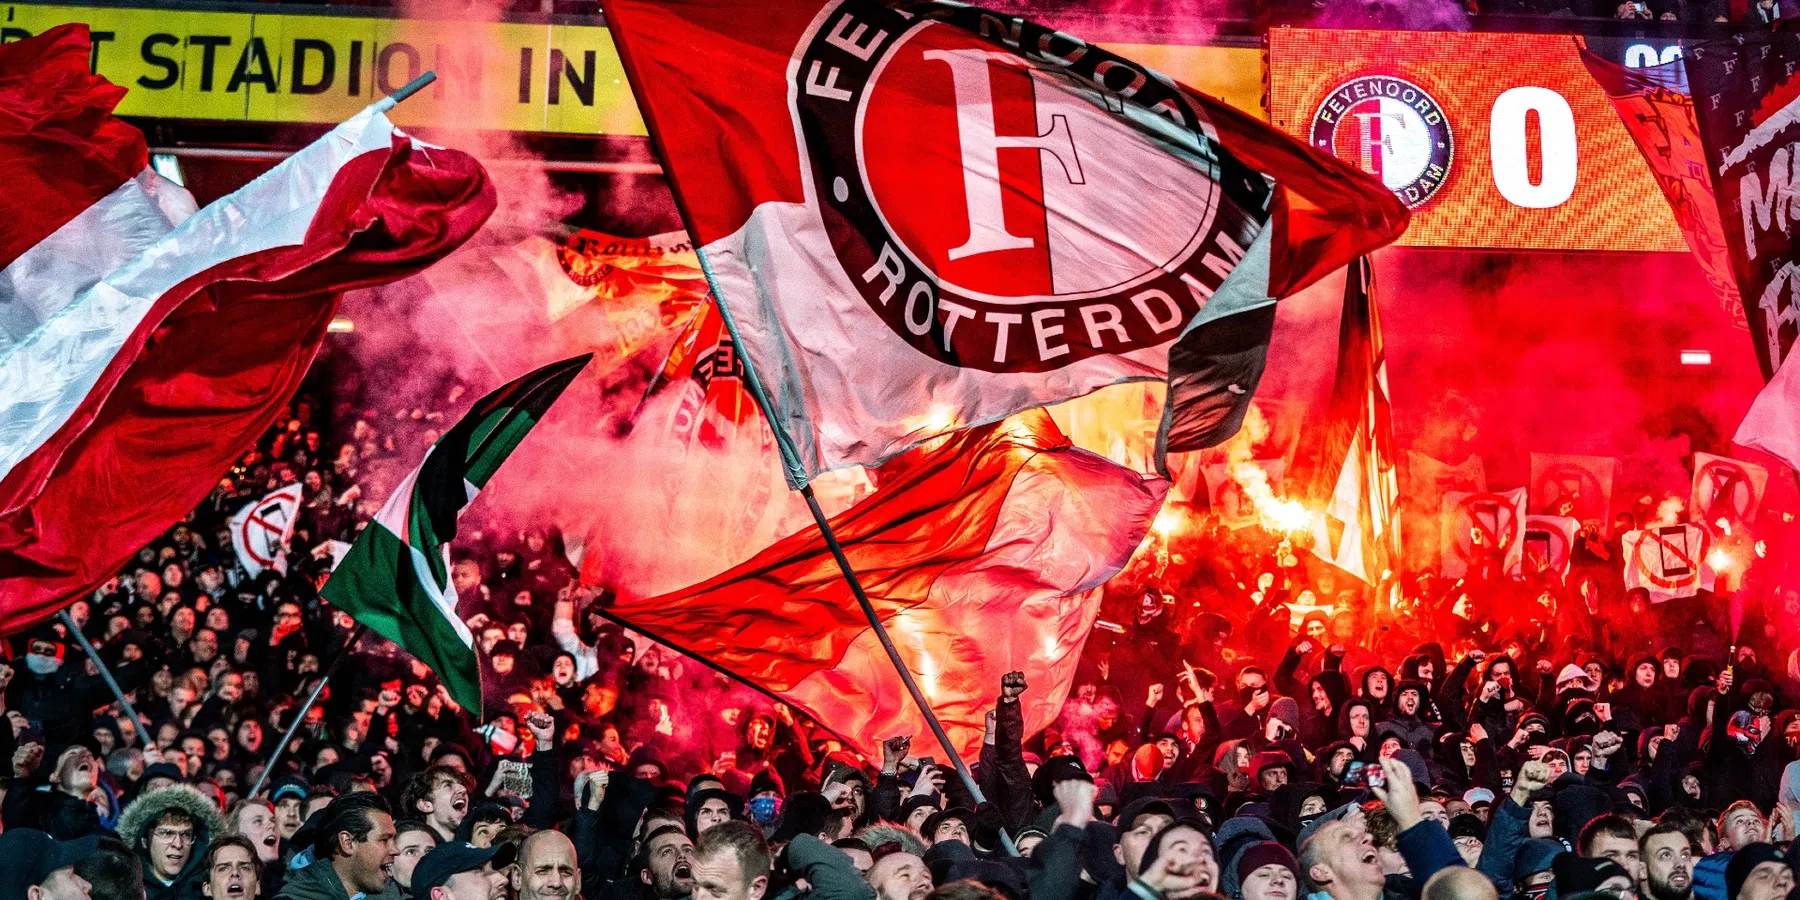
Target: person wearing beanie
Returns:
[1575, 874]
[1469, 833]
[1273, 769]
[917, 809]
[1267, 871]
[1758, 872]
[708, 807]
[1533, 871]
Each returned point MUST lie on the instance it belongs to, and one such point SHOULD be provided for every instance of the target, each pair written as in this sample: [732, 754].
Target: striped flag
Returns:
[143, 343]
[1351, 476]
[396, 577]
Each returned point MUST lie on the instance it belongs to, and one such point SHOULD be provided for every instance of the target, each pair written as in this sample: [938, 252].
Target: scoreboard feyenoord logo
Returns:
[987, 192]
[1391, 129]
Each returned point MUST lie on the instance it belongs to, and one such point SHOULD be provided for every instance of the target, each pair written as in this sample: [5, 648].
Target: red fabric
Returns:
[712, 82]
[787, 612]
[206, 373]
[60, 145]
[981, 556]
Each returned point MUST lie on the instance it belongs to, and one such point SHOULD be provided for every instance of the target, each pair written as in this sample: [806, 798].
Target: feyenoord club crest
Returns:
[1391, 129]
[975, 173]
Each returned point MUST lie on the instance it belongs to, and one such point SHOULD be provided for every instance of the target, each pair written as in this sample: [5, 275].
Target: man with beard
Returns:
[666, 864]
[547, 868]
[899, 875]
[1668, 863]
[353, 853]
[233, 870]
[731, 863]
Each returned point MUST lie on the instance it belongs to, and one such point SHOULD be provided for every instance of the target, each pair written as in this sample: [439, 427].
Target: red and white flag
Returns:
[260, 531]
[925, 215]
[1773, 423]
[982, 555]
[145, 344]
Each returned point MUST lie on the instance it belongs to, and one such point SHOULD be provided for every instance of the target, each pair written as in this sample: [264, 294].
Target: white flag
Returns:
[260, 531]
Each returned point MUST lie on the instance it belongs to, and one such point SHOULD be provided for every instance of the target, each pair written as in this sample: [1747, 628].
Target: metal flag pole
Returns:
[311, 699]
[381, 106]
[107, 675]
[791, 460]
[789, 455]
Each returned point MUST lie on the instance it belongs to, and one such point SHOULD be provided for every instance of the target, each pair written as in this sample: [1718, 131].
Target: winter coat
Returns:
[63, 702]
[139, 818]
[319, 881]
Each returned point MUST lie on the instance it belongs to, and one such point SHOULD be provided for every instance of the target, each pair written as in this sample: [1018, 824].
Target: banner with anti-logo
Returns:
[1727, 493]
[260, 531]
[1549, 544]
[926, 215]
[1576, 486]
[1483, 534]
[1232, 502]
[1668, 561]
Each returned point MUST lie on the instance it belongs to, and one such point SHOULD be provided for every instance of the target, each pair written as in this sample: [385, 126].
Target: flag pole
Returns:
[106, 675]
[311, 699]
[796, 471]
[381, 106]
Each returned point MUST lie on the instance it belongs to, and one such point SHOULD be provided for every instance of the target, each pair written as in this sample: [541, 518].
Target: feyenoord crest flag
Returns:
[260, 531]
[396, 576]
[1668, 561]
[925, 216]
[1747, 95]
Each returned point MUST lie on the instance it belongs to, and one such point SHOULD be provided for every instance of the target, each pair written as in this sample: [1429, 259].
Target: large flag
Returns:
[1347, 469]
[260, 531]
[1668, 561]
[144, 345]
[1658, 113]
[982, 554]
[1747, 95]
[396, 576]
[926, 216]
[1773, 423]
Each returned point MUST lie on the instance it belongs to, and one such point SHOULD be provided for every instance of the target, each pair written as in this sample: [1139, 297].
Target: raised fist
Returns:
[1012, 684]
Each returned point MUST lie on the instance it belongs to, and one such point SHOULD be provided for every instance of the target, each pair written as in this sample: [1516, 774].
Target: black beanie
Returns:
[1745, 861]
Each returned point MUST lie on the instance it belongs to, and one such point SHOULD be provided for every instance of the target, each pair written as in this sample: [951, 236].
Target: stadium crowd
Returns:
[1546, 738]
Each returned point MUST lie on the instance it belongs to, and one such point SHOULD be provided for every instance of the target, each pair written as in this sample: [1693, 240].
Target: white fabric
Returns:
[46, 373]
[1773, 423]
[260, 531]
[1668, 561]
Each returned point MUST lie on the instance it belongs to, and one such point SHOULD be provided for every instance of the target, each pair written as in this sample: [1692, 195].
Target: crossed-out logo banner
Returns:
[1494, 140]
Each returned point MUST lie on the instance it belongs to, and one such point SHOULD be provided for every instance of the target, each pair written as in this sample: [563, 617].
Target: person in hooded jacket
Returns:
[1377, 688]
[171, 829]
[57, 693]
[1357, 725]
[1407, 720]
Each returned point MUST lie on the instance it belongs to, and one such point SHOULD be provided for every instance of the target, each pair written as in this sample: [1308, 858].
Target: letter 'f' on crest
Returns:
[980, 146]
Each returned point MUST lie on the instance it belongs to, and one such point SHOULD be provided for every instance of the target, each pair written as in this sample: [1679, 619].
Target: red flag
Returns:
[983, 555]
[925, 215]
[161, 341]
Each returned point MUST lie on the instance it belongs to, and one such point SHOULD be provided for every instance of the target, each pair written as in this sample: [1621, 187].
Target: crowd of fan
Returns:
[1550, 737]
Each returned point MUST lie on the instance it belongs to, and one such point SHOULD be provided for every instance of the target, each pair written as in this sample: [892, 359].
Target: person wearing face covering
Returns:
[57, 692]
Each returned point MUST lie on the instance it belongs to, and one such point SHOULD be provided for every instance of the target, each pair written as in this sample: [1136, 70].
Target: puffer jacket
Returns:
[137, 821]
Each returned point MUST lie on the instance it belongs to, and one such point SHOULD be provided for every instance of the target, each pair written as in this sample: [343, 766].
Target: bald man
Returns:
[547, 868]
[1459, 883]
